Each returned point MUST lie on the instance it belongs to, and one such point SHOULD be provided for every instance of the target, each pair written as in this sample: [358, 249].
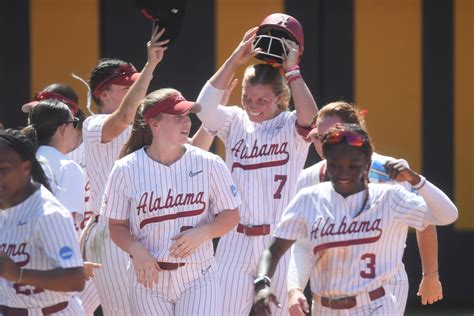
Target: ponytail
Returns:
[139, 137]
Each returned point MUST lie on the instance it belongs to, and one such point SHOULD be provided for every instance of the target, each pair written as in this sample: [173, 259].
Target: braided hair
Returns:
[25, 148]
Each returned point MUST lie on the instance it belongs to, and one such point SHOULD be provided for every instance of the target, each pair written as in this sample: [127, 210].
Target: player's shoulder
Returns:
[71, 166]
[381, 190]
[318, 190]
[285, 117]
[314, 170]
[312, 175]
[93, 121]
[131, 158]
[235, 113]
[50, 206]
[201, 153]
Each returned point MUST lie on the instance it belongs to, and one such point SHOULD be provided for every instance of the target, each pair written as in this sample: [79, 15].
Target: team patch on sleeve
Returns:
[233, 189]
[66, 252]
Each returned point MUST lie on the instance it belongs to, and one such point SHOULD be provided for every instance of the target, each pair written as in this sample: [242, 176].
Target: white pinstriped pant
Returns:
[111, 281]
[188, 290]
[89, 298]
[74, 308]
[237, 257]
[392, 304]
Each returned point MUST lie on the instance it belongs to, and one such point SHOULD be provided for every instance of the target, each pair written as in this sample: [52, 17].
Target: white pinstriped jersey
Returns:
[65, 176]
[353, 253]
[265, 160]
[79, 156]
[159, 200]
[37, 234]
[100, 157]
[297, 275]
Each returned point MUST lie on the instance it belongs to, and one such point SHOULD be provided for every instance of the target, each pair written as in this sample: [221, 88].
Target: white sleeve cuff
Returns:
[299, 268]
[209, 99]
[441, 208]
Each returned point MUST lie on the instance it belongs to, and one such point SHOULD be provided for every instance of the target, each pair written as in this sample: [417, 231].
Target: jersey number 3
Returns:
[369, 261]
[282, 178]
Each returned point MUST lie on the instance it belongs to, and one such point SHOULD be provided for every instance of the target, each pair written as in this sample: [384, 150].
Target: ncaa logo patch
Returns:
[233, 189]
[66, 252]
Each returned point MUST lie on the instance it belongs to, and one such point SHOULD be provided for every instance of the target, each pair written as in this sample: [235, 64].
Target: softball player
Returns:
[53, 127]
[356, 230]
[40, 261]
[59, 166]
[265, 152]
[430, 288]
[104, 135]
[165, 201]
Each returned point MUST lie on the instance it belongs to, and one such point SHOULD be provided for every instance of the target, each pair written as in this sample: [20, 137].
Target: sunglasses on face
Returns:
[351, 138]
[74, 121]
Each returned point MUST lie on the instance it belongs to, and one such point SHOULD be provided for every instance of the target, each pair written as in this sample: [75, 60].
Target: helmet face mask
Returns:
[269, 37]
[273, 48]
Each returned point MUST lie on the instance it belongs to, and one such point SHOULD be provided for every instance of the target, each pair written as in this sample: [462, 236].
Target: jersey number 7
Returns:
[282, 178]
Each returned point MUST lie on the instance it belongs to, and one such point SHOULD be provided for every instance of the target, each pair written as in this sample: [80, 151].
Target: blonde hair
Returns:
[141, 133]
[263, 74]
[347, 112]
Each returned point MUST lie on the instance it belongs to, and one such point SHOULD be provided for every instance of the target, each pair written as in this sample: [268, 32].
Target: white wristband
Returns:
[292, 73]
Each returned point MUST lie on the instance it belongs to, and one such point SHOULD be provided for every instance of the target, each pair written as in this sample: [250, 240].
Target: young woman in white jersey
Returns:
[53, 127]
[265, 151]
[165, 200]
[355, 230]
[40, 260]
[430, 289]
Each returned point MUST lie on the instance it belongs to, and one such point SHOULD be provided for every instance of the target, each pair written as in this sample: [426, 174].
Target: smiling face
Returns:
[172, 128]
[260, 102]
[345, 167]
[15, 175]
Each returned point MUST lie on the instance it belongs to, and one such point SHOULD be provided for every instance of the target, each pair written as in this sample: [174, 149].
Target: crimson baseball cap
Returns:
[123, 75]
[175, 104]
[45, 95]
